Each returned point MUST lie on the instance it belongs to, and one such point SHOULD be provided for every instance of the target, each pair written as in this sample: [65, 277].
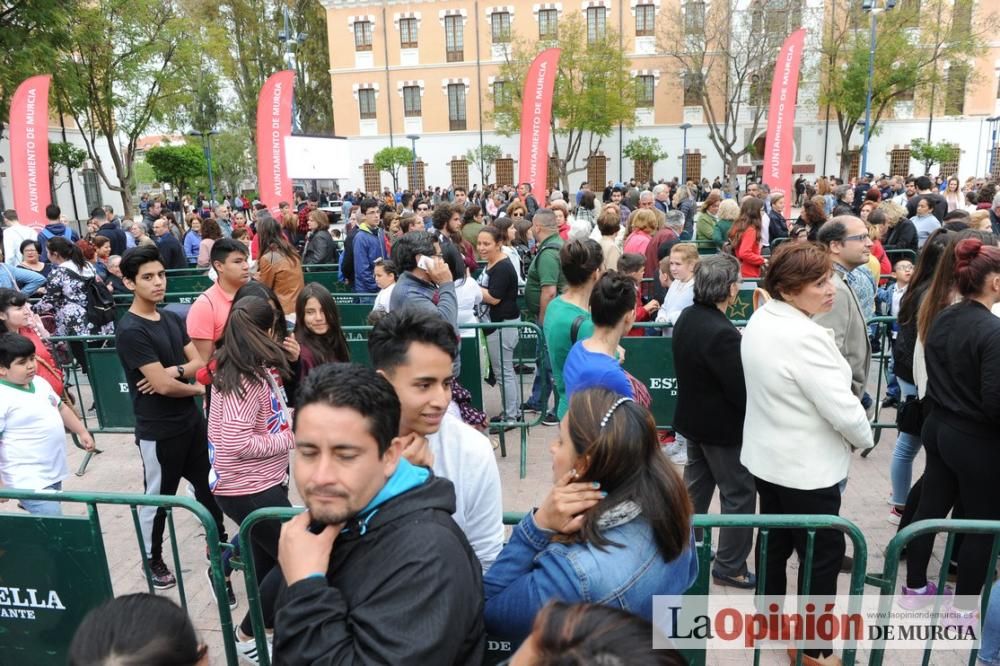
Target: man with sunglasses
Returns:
[846, 237]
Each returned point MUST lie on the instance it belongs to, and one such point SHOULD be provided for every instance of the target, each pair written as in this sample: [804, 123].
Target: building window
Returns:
[644, 91]
[694, 17]
[460, 172]
[500, 27]
[456, 106]
[950, 168]
[366, 103]
[372, 177]
[596, 24]
[548, 24]
[91, 188]
[693, 85]
[954, 100]
[645, 19]
[411, 101]
[899, 162]
[692, 165]
[415, 175]
[408, 33]
[454, 38]
[362, 35]
[760, 93]
[503, 93]
[597, 169]
[505, 171]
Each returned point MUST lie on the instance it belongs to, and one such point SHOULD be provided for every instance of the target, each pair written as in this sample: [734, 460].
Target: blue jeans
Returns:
[903, 453]
[42, 508]
[892, 389]
[989, 653]
[542, 387]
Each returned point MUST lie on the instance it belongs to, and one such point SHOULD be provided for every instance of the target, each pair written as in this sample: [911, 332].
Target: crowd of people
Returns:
[393, 461]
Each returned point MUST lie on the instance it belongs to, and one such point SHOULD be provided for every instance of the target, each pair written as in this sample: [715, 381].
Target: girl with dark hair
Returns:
[318, 329]
[137, 629]
[960, 432]
[16, 317]
[567, 318]
[250, 424]
[319, 248]
[279, 264]
[210, 232]
[507, 236]
[614, 530]
[593, 361]
[813, 216]
[745, 237]
[498, 283]
[588, 634]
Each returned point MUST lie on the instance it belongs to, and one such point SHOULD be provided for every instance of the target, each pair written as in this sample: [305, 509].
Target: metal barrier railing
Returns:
[168, 503]
[881, 355]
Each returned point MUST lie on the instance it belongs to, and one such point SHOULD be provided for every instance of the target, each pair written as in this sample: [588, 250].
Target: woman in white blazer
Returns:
[802, 420]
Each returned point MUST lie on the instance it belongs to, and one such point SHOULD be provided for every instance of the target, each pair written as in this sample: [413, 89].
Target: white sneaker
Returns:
[247, 650]
[677, 453]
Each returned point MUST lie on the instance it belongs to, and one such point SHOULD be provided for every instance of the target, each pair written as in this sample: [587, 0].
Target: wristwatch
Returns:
[180, 372]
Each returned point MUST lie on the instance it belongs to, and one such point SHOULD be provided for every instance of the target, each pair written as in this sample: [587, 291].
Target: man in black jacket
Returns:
[170, 248]
[376, 569]
[110, 230]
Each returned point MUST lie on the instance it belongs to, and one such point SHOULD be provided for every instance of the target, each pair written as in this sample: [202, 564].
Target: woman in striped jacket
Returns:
[249, 423]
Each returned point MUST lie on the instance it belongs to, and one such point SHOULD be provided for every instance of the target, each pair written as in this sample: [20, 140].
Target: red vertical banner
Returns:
[274, 124]
[29, 150]
[536, 119]
[781, 118]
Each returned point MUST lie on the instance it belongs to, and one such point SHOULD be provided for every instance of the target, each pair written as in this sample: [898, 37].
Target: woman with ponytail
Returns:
[614, 530]
[961, 432]
[249, 424]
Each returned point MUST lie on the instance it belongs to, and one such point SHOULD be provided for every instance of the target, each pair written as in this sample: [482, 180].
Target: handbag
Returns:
[66, 396]
[910, 416]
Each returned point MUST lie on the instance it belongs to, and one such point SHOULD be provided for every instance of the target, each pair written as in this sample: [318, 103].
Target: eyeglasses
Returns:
[517, 214]
[857, 237]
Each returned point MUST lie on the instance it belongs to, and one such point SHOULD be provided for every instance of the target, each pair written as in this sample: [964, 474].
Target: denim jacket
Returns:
[21, 279]
[533, 570]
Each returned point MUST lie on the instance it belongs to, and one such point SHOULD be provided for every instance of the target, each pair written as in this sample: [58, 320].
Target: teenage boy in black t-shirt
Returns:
[170, 430]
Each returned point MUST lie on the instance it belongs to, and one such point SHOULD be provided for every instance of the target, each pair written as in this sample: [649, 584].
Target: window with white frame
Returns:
[694, 17]
[408, 33]
[597, 24]
[366, 103]
[363, 35]
[500, 27]
[454, 38]
[412, 101]
[503, 93]
[548, 24]
[456, 106]
[645, 20]
[644, 85]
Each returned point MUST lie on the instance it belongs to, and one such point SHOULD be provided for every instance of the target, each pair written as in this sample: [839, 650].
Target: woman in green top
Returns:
[705, 222]
[581, 265]
[729, 210]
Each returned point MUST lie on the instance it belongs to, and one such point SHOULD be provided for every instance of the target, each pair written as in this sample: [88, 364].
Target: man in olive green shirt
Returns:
[543, 283]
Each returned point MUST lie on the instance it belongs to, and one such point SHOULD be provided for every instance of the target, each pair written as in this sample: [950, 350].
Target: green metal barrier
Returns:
[881, 355]
[66, 556]
[887, 580]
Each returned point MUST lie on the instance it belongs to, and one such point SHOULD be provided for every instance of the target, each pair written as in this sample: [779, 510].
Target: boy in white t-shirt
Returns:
[32, 422]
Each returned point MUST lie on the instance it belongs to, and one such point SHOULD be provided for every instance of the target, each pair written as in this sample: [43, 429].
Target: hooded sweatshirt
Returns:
[403, 586]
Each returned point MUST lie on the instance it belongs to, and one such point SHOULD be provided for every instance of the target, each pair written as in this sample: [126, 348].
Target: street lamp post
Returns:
[871, 6]
[993, 140]
[684, 155]
[206, 145]
[290, 39]
[413, 164]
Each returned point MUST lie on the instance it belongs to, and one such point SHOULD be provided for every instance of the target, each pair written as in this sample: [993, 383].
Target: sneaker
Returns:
[529, 408]
[677, 453]
[160, 574]
[247, 650]
[233, 602]
[522, 369]
[746, 581]
[911, 600]
[895, 514]
[550, 419]
[890, 401]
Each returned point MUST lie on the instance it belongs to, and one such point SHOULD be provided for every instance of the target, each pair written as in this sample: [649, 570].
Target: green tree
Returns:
[933, 153]
[726, 60]
[484, 157]
[176, 165]
[590, 100]
[313, 98]
[645, 151]
[67, 156]
[390, 160]
[125, 67]
[32, 32]
[913, 41]
[231, 160]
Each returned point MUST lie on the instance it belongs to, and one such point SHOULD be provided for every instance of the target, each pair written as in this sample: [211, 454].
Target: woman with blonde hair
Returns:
[642, 224]
[729, 210]
[900, 233]
[953, 194]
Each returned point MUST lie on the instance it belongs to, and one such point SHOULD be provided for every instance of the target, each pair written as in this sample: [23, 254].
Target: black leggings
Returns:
[960, 468]
[263, 538]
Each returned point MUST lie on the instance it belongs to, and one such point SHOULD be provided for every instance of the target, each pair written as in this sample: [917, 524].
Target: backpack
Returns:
[100, 301]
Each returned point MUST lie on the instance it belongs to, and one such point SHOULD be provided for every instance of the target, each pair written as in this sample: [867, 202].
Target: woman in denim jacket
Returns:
[615, 529]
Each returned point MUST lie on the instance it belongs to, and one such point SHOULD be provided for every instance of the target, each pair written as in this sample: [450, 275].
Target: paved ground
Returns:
[119, 469]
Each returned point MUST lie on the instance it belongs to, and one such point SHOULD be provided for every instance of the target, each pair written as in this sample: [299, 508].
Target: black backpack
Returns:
[100, 301]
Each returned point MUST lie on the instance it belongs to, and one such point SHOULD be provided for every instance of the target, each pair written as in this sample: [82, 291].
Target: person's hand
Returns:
[292, 348]
[302, 553]
[143, 386]
[564, 507]
[652, 306]
[87, 440]
[439, 272]
[417, 450]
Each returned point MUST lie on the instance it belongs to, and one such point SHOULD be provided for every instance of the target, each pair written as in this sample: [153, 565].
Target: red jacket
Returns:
[748, 252]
